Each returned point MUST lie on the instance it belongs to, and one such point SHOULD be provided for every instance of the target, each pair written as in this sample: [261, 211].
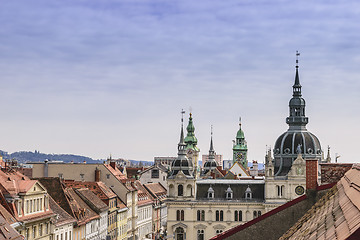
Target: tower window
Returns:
[219, 215]
[179, 215]
[180, 190]
[238, 216]
[201, 215]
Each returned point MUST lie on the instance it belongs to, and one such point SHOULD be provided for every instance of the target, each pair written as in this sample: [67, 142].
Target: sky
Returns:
[101, 78]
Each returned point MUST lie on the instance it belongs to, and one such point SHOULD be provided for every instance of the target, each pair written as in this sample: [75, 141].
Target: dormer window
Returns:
[248, 193]
[210, 192]
[229, 193]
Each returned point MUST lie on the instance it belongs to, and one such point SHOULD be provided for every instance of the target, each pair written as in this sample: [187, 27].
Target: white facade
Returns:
[144, 222]
[92, 229]
[63, 232]
[103, 224]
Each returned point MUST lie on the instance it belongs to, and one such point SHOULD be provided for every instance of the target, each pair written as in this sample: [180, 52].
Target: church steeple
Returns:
[191, 140]
[297, 119]
[240, 147]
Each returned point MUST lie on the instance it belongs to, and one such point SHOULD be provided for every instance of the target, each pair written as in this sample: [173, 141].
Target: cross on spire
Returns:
[297, 59]
[182, 115]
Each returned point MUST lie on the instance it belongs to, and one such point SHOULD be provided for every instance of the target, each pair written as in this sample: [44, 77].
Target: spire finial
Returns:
[211, 130]
[297, 59]
[182, 116]
[240, 122]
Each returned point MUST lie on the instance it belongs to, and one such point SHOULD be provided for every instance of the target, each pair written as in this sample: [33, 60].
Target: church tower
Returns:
[240, 148]
[192, 151]
[181, 180]
[211, 163]
[297, 139]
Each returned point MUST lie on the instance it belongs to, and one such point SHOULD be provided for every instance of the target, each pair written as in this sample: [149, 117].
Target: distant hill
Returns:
[37, 156]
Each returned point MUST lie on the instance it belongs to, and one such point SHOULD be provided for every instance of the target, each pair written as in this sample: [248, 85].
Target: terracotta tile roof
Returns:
[7, 232]
[62, 217]
[92, 200]
[144, 197]
[336, 215]
[7, 215]
[333, 172]
[55, 189]
[14, 182]
[98, 188]
[116, 172]
[157, 190]
[133, 172]
[82, 212]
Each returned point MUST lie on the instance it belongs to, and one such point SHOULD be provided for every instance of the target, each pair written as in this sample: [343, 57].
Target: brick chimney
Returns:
[97, 175]
[113, 164]
[311, 174]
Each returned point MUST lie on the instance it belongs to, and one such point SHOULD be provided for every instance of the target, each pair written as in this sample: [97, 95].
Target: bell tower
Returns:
[192, 151]
[240, 148]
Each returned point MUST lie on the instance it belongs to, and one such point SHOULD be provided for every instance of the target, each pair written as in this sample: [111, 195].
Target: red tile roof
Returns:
[336, 215]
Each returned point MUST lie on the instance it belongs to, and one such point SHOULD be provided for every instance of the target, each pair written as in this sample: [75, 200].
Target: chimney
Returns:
[97, 175]
[46, 168]
[311, 174]
[113, 164]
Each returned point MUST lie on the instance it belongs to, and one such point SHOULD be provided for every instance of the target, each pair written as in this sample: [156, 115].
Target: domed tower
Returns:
[192, 151]
[297, 139]
[211, 163]
[181, 180]
[181, 163]
[240, 148]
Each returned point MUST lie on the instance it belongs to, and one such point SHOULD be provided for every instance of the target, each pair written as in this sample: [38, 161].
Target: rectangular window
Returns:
[108, 176]
[155, 173]
[81, 176]
[41, 204]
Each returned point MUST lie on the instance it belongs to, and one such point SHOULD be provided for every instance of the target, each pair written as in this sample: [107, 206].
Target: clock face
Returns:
[299, 190]
[239, 156]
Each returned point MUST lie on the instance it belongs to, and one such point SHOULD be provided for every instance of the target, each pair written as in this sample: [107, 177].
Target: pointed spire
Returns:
[181, 145]
[211, 151]
[328, 158]
[297, 85]
[190, 139]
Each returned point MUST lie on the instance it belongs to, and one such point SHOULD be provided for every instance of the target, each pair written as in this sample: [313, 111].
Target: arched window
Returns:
[282, 191]
[270, 172]
[219, 231]
[200, 234]
[238, 216]
[217, 215]
[179, 233]
[221, 215]
[278, 190]
[198, 215]
[178, 215]
[180, 190]
[259, 213]
[255, 214]
[182, 215]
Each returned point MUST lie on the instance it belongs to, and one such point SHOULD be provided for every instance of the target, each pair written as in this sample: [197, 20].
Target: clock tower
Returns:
[240, 148]
[192, 151]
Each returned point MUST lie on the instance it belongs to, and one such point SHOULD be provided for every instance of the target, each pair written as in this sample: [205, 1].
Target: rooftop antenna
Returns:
[336, 157]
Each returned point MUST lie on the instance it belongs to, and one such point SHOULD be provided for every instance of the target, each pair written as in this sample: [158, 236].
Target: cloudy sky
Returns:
[111, 77]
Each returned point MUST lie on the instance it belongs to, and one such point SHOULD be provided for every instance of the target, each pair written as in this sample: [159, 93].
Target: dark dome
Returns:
[210, 164]
[297, 102]
[285, 150]
[288, 142]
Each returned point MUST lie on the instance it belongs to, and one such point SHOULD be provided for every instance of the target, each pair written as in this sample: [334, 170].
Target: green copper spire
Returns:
[191, 140]
[240, 147]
